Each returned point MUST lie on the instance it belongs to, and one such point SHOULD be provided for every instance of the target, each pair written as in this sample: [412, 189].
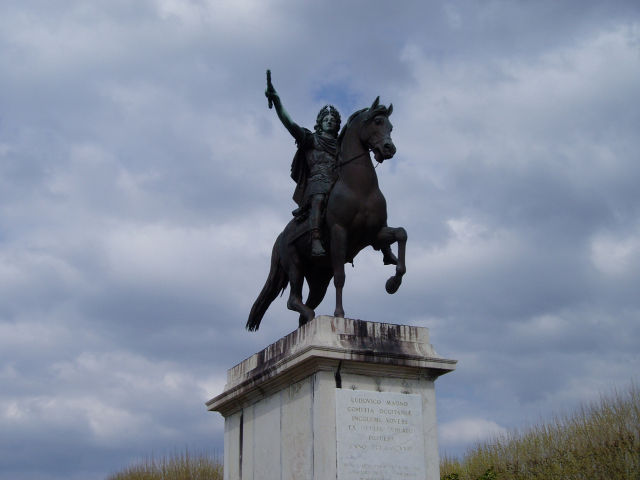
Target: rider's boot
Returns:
[316, 245]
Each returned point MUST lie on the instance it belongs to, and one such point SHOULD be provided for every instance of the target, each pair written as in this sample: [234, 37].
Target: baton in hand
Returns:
[269, 87]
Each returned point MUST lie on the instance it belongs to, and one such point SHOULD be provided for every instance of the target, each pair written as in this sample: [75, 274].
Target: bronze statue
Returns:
[355, 214]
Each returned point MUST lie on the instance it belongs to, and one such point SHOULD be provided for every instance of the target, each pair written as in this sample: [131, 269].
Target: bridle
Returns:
[342, 164]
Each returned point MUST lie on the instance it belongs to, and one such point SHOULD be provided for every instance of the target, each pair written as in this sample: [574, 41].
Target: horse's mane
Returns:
[348, 124]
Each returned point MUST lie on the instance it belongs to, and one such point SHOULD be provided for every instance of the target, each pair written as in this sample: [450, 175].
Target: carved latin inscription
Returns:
[379, 435]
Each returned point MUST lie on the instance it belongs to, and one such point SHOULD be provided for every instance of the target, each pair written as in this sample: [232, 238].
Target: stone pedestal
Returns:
[336, 399]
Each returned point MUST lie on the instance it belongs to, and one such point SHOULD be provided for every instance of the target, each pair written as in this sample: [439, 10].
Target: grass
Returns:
[598, 441]
[181, 466]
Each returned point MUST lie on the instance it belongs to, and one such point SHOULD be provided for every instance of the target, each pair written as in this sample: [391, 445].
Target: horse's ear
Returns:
[390, 109]
[375, 103]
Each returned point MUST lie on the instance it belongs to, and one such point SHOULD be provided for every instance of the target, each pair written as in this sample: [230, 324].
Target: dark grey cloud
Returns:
[143, 182]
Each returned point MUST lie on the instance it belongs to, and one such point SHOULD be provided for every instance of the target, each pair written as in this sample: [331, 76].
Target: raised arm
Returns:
[294, 129]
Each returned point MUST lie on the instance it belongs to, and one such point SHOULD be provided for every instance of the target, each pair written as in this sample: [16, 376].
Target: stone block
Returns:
[286, 408]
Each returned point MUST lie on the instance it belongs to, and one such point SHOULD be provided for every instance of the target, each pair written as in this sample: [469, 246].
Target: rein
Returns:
[342, 164]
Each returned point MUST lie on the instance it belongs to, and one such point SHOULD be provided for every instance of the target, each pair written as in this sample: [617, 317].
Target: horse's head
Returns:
[376, 128]
[369, 129]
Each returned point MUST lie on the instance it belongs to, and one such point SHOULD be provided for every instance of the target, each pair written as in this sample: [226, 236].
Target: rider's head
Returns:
[328, 120]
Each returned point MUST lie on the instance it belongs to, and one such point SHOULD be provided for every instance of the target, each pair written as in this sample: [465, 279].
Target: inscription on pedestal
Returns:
[379, 435]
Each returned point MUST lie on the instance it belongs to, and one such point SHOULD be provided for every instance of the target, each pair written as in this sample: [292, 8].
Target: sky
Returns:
[143, 181]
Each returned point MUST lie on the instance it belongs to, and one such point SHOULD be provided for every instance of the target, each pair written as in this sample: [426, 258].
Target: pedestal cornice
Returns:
[331, 343]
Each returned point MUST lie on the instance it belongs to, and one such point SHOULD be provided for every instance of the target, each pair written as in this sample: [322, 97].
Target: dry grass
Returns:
[599, 441]
[182, 466]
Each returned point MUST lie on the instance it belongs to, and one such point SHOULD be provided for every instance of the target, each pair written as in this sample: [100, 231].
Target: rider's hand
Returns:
[271, 94]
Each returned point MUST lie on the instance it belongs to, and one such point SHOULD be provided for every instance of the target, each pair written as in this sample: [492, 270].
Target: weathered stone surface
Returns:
[323, 344]
[282, 416]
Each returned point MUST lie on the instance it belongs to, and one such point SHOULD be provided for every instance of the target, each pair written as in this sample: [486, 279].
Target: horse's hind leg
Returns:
[386, 236]
[318, 283]
[294, 303]
[338, 257]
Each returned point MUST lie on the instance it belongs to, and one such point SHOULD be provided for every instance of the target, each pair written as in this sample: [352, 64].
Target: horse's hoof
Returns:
[339, 313]
[393, 284]
[306, 316]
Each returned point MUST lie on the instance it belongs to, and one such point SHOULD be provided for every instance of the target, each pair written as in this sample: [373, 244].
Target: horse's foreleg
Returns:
[388, 258]
[338, 257]
[386, 236]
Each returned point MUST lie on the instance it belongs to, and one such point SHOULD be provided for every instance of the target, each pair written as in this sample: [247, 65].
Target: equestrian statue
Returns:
[341, 209]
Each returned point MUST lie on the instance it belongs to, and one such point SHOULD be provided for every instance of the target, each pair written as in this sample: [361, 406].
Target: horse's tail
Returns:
[275, 284]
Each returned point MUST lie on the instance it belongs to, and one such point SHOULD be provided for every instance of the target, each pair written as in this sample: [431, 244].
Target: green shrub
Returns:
[599, 441]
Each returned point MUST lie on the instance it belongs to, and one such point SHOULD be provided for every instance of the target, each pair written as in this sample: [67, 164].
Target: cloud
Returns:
[470, 430]
[143, 181]
[616, 255]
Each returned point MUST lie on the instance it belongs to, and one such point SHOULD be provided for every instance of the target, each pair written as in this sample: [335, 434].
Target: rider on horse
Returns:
[313, 167]
[356, 210]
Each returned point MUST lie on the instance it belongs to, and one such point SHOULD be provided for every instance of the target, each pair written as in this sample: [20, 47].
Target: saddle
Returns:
[303, 224]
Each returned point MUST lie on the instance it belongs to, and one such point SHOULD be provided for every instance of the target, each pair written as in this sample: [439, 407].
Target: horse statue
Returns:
[356, 217]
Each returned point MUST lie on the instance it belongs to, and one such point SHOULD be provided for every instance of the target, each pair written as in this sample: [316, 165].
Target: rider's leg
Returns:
[315, 219]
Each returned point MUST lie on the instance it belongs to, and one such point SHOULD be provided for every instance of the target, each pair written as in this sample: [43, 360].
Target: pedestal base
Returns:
[336, 399]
